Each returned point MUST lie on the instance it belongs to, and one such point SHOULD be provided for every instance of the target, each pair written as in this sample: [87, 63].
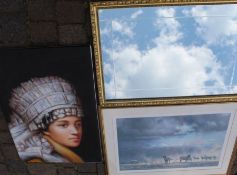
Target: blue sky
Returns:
[148, 139]
[169, 51]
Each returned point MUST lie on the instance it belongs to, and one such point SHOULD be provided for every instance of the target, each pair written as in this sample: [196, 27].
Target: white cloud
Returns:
[136, 14]
[167, 25]
[165, 12]
[233, 89]
[127, 60]
[101, 11]
[183, 129]
[158, 70]
[167, 69]
[106, 30]
[107, 68]
[122, 27]
[216, 24]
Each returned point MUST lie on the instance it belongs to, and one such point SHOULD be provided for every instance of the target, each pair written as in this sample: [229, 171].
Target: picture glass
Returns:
[185, 141]
[168, 51]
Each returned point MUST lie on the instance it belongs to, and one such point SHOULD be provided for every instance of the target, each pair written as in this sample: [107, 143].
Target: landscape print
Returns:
[167, 142]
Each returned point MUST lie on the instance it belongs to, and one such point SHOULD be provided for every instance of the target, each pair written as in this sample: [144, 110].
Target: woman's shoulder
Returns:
[35, 160]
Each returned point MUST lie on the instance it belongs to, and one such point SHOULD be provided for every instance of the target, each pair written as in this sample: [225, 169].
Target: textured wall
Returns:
[44, 22]
[29, 23]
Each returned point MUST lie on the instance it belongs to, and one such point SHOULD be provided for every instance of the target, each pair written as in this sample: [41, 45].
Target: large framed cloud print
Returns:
[165, 52]
[49, 100]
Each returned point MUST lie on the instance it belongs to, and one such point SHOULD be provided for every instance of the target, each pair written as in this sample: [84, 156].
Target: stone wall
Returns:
[42, 23]
[30, 23]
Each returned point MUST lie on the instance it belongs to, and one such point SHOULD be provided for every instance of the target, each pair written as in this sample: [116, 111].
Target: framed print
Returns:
[168, 140]
[48, 97]
[165, 52]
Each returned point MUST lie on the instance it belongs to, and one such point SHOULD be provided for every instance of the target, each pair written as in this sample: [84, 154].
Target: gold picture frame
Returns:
[131, 136]
[147, 100]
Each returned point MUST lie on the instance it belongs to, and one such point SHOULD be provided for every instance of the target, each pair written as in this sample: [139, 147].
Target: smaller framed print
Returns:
[170, 140]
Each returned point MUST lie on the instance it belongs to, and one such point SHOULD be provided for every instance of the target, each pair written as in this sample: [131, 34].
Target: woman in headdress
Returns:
[46, 120]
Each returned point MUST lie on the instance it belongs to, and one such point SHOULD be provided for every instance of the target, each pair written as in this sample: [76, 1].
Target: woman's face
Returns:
[66, 131]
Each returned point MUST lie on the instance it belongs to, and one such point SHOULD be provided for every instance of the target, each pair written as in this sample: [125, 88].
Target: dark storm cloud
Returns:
[156, 127]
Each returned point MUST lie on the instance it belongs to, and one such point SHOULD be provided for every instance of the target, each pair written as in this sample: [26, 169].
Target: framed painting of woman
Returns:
[49, 100]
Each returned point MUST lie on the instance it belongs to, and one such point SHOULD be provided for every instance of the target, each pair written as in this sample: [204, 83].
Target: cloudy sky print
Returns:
[169, 51]
[143, 142]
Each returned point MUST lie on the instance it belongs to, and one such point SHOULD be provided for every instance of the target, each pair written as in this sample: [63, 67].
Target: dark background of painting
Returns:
[71, 63]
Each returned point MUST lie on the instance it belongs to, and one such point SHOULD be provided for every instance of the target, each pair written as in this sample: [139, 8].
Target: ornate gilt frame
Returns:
[95, 6]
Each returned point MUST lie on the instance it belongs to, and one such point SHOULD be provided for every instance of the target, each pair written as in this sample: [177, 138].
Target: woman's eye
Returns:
[78, 125]
[63, 125]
